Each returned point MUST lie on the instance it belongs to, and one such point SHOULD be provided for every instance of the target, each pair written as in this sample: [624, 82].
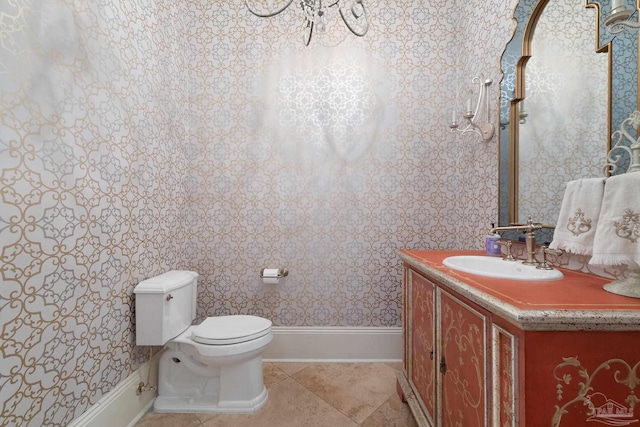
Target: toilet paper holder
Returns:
[282, 272]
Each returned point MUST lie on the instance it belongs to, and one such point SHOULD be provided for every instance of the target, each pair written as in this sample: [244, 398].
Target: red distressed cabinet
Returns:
[445, 355]
[421, 359]
[487, 352]
[463, 363]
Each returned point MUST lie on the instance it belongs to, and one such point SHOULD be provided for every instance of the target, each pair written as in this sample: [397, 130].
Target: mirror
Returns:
[557, 66]
[563, 127]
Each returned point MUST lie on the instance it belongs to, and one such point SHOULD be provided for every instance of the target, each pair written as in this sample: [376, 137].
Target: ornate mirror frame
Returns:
[618, 93]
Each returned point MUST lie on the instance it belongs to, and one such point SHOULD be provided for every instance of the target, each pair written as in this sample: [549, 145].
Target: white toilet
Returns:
[212, 367]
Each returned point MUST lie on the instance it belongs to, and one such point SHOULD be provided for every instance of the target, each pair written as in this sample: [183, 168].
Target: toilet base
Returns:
[188, 382]
[204, 404]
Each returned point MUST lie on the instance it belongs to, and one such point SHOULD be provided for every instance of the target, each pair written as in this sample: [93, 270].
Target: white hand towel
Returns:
[617, 239]
[578, 217]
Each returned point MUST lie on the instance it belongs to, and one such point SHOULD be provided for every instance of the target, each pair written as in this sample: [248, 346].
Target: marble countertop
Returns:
[577, 302]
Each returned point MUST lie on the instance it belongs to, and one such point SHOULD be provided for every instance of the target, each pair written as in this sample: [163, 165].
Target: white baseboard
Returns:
[334, 344]
[122, 407]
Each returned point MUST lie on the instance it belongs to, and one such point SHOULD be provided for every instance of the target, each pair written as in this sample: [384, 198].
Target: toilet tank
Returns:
[165, 306]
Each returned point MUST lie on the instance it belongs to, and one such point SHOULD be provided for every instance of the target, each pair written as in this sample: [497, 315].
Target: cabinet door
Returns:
[582, 378]
[463, 364]
[505, 378]
[422, 340]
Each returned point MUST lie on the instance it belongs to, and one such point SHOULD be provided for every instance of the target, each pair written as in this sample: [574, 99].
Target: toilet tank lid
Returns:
[165, 282]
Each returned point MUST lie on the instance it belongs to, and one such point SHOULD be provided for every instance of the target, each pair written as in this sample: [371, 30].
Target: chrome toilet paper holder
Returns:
[282, 272]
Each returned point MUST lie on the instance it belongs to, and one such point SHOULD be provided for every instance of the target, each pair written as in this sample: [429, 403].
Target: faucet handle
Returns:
[533, 225]
[507, 244]
[544, 265]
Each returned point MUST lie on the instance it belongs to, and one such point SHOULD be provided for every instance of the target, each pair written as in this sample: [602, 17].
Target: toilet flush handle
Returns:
[169, 297]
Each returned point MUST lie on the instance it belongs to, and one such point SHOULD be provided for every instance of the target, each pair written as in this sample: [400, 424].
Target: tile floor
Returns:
[313, 395]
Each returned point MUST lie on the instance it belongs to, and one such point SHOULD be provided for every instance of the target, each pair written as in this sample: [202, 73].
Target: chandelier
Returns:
[315, 13]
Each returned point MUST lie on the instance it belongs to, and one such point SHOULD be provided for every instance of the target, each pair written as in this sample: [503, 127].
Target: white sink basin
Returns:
[500, 269]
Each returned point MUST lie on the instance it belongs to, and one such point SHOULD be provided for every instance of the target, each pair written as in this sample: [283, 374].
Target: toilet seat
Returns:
[235, 329]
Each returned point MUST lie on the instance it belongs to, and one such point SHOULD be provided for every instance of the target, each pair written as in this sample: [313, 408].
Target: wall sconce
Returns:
[626, 228]
[484, 130]
[627, 143]
[522, 115]
[620, 18]
[353, 13]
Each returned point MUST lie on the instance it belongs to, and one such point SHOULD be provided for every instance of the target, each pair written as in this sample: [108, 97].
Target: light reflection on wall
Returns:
[326, 100]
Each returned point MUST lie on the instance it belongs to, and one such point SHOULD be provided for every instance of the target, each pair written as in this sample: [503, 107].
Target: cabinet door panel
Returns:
[582, 378]
[463, 364]
[505, 378]
[422, 341]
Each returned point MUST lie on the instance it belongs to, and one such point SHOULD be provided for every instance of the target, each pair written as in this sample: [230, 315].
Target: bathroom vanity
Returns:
[480, 351]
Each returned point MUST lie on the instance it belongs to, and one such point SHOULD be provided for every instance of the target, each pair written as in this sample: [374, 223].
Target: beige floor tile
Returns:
[203, 417]
[229, 420]
[289, 405]
[395, 365]
[392, 413]
[273, 374]
[153, 419]
[357, 390]
[291, 367]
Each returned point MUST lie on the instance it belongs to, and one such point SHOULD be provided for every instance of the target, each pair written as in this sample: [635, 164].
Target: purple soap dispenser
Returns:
[491, 245]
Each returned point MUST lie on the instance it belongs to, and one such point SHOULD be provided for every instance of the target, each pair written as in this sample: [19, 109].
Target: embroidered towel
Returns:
[617, 239]
[578, 217]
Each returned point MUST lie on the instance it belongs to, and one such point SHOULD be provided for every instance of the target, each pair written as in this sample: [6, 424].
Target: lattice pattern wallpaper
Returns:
[143, 136]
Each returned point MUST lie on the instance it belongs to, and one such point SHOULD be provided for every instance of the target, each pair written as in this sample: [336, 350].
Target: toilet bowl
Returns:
[215, 366]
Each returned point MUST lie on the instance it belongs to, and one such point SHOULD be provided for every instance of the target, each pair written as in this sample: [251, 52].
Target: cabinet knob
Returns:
[169, 297]
[443, 366]
[431, 355]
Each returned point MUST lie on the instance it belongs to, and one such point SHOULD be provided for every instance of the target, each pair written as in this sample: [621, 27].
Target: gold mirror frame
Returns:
[519, 95]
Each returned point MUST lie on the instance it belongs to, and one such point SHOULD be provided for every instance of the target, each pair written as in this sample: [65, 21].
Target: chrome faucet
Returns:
[529, 238]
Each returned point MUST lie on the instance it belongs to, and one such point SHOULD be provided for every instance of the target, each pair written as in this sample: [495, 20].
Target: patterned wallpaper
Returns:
[92, 186]
[143, 136]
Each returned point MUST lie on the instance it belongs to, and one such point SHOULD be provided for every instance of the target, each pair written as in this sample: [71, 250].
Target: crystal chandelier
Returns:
[316, 12]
